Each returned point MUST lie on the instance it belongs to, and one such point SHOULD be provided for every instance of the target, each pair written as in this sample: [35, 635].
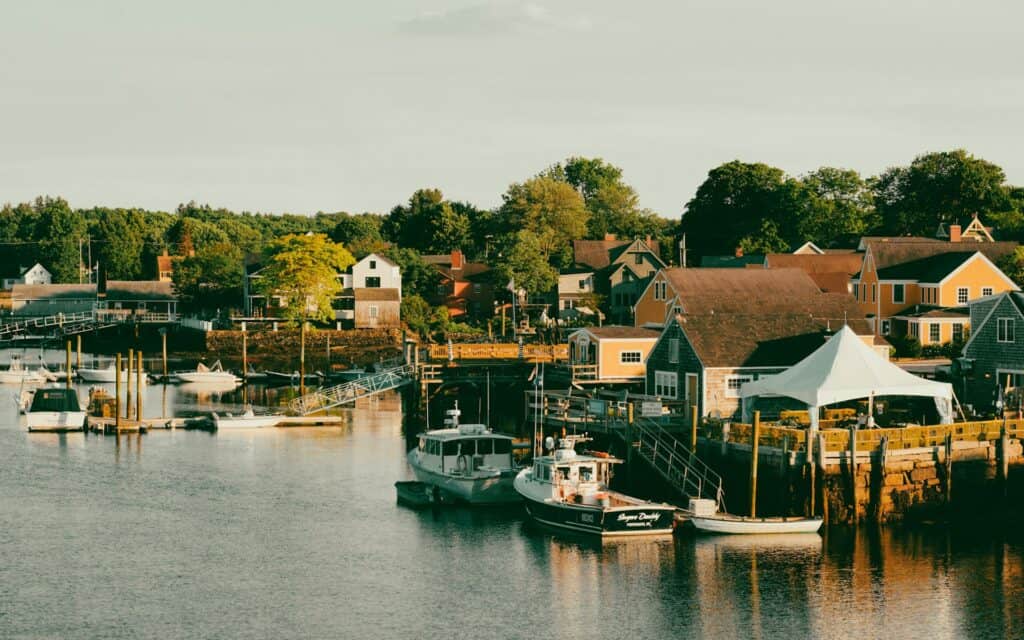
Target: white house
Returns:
[373, 272]
[37, 274]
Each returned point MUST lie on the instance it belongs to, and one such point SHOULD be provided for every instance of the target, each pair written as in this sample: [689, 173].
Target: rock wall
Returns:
[281, 349]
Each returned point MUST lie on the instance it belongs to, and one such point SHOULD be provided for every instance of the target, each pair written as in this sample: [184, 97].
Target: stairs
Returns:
[674, 462]
[346, 392]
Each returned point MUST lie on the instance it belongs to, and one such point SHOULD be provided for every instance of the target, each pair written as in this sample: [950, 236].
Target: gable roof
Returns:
[830, 271]
[888, 252]
[735, 262]
[40, 291]
[375, 256]
[601, 253]
[140, 290]
[761, 291]
[616, 331]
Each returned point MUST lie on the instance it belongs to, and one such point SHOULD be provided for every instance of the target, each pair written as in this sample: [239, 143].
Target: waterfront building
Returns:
[36, 274]
[610, 355]
[464, 287]
[620, 270]
[993, 357]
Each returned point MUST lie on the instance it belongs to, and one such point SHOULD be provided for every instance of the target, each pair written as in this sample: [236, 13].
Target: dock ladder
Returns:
[674, 462]
[346, 392]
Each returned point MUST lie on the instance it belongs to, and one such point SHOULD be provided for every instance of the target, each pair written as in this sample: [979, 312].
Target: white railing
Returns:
[351, 391]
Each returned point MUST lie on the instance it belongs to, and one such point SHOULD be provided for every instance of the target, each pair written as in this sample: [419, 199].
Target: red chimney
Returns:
[609, 237]
[739, 252]
[458, 260]
[954, 233]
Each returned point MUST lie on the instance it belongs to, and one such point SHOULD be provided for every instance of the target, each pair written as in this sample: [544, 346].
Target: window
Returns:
[986, 291]
[673, 350]
[372, 282]
[915, 330]
[856, 291]
[476, 287]
[467, 447]
[450, 447]
[899, 293]
[962, 294]
[373, 264]
[733, 384]
[874, 292]
[958, 332]
[677, 310]
[628, 357]
[583, 285]
[666, 384]
[1004, 330]
[374, 311]
[886, 327]
[638, 258]
[484, 447]
[934, 333]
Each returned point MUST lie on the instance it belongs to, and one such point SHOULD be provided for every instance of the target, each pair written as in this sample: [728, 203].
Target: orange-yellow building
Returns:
[612, 353]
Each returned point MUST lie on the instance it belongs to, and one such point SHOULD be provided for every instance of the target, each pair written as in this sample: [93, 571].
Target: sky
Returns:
[308, 105]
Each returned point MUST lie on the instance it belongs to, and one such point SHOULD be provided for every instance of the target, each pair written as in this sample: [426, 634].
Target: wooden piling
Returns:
[302, 359]
[753, 464]
[853, 471]
[163, 338]
[138, 387]
[245, 356]
[693, 428]
[810, 472]
[67, 365]
[128, 387]
[117, 393]
[949, 467]
[1004, 457]
[629, 432]
[78, 358]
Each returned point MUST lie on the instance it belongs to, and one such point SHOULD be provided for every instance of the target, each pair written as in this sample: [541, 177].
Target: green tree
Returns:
[210, 279]
[553, 210]
[524, 261]
[766, 240]
[1013, 265]
[303, 270]
[118, 242]
[361, 234]
[59, 231]
[835, 203]
[613, 205]
[939, 187]
[418, 277]
[428, 224]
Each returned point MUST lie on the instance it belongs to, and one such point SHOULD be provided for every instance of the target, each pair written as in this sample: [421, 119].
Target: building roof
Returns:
[734, 262]
[889, 252]
[601, 253]
[41, 291]
[616, 331]
[140, 290]
[931, 269]
[704, 291]
[377, 256]
[374, 294]
[830, 271]
[930, 311]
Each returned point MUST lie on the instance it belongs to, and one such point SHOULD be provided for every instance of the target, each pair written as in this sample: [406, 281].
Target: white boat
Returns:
[705, 518]
[55, 409]
[18, 373]
[466, 462]
[106, 375]
[246, 420]
[214, 373]
[570, 491]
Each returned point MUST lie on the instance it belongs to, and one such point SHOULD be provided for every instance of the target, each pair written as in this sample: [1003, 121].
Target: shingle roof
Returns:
[615, 331]
[745, 290]
[931, 311]
[735, 262]
[38, 291]
[139, 289]
[888, 252]
[600, 253]
[830, 271]
[373, 294]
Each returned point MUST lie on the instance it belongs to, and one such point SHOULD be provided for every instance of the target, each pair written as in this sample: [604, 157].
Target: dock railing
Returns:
[500, 351]
[676, 463]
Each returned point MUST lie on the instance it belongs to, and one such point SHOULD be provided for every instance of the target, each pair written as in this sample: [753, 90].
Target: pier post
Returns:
[949, 467]
[67, 365]
[78, 359]
[693, 428]
[138, 387]
[753, 464]
[163, 339]
[853, 471]
[245, 354]
[725, 438]
[128, 387]
[117, 394]
[1004, 457]
[302, 359]
[810, 471]
[629, 432]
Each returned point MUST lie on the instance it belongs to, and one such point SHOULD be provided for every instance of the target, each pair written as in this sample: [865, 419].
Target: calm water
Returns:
[294, 533]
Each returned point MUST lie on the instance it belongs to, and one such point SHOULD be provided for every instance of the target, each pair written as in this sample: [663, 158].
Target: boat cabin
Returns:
[465, 448]
[55, 400]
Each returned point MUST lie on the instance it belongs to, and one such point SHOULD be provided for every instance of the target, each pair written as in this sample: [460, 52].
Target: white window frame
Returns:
[914, 329]
[733, 384]
[903, 293]
[1005, 330]
[673, 350]
[966, 295]
[627, 357]
[934, 333]
[666, 384]
[987, 291]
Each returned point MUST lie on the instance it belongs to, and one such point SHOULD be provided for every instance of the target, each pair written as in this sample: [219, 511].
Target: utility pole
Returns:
[682, 251]
[80, 267]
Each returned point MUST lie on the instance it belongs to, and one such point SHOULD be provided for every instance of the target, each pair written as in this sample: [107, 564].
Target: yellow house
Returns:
[915, 285]
[610, 354]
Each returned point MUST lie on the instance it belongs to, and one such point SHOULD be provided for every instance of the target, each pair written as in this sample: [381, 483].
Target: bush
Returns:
[906, 346]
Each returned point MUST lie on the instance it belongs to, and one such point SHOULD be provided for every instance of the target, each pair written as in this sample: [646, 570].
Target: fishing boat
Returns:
[215, 373]
[245, 420]
[18, 373]
[704, 517]
[466, 462]
[570, 491]
[54, 409]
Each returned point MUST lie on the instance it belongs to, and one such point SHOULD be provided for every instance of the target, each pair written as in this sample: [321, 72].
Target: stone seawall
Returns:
[281, 349]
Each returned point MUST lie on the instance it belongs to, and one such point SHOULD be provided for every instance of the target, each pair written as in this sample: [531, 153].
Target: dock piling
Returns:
[128, 387]
[138, 387]
[67, 365]
[753, 464]
[117, 393]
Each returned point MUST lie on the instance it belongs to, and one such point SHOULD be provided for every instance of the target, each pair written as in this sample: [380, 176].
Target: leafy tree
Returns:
[524, 261]
[428, 224]
[418, 277]
[1013, 265]
[193, 234]
[766, 240]
[118, 242]
[552, 210]
[210, 279]
[17, 228]
[939, 187]
[59, 231]
[361, 234]
[613, 204]
[303, 270]
[835, 203]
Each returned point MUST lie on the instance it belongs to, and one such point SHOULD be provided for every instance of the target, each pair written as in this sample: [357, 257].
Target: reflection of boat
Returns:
[469, 462]
[18, 373]
[214, 373]
[795, 541]
[252, 375]
[570, 491]
[705, 518]
[55, 409]
[246, 420]
[419, 494]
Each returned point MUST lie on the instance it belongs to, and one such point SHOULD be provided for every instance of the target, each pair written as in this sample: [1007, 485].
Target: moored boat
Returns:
[108, 374]
[570, 491]
[466, 462]
[55, 409]
[705, 518]
[246, 420]
[18, 373]
[213, 374]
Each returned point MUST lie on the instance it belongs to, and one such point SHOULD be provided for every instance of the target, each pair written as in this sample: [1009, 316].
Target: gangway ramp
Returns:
[674, 462]
[351, 391]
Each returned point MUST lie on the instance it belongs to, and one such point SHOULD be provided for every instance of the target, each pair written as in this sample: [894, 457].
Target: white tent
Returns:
[845, 368]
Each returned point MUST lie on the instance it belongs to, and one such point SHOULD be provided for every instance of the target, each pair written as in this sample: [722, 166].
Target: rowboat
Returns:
[246, 420]
[704, 517]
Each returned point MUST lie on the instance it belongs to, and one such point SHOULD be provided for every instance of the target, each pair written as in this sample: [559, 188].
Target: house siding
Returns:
[989, 355]
[649, 310]
[659, 360]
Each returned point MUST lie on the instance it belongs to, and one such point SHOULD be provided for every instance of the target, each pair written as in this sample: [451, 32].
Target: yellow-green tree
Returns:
[303, 270]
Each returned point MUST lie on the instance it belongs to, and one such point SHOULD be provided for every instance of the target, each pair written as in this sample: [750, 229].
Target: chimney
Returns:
[954, 233]
[739, 252]
[458, 260]
[610, 237]
[647, 239]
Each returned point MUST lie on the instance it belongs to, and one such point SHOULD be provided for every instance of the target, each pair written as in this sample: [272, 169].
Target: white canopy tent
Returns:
[845, 368]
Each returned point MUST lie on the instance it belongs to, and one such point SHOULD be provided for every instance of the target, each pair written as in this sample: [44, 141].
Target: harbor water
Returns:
[295, 533]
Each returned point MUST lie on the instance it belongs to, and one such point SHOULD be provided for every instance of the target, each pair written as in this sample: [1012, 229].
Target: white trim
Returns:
[893, 292]
[686, 386]
[753, 369]
[1012, 326]
[977, 254]
[622, 354]
[976, 331]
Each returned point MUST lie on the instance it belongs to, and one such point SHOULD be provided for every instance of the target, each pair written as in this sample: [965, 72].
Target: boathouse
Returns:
[611, 354]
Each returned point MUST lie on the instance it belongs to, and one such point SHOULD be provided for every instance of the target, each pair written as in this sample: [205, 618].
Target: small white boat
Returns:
[246, 420]
[18, 373]
[214, 373]
[704, 518]
[55, 409]
[106, 375]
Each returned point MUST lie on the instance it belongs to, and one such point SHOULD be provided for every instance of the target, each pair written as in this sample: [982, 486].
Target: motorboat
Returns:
[248, 419]
[54, 409]
[281, 377]
[215, 373]
[466, 462]
[706, 518]
[104, 375]
[18, 373]
[570, 491]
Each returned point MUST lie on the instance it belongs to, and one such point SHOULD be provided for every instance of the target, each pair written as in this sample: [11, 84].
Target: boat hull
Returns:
[55, 420]
[19, 377]
[640, 520]
[491, 489]
[754, 526]
[208, 377]
[245, 422]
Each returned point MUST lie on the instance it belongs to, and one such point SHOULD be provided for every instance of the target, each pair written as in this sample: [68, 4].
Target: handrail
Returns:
[69, 322]
[346, 392]
[677, 464]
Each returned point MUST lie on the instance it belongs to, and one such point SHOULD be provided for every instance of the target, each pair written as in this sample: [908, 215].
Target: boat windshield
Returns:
[586, 474]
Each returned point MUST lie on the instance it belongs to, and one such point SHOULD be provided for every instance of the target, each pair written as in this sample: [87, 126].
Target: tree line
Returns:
[752, 206]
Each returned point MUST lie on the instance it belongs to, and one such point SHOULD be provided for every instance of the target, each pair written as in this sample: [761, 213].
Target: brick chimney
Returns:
[610, 237]
[458, 260]
[954, 233]
[739, 252]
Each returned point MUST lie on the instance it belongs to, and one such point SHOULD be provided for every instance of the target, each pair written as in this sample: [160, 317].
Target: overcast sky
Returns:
[311, 105]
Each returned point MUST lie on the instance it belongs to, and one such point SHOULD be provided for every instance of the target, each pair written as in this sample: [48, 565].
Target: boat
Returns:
[413, 493]
[55, 409]
[245, 420]
[466, 462]
[105, 375]
[252, 375]
[280, 377]
[569, 491]
[705, 518]
[214, 373]
[346, 375]
[18, 373]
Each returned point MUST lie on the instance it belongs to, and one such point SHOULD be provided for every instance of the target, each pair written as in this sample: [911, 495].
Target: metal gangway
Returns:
[351, 391]
[674, 462]
[80, 322]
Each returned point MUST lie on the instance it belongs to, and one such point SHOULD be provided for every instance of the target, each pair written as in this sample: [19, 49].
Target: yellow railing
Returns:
[500, 351]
